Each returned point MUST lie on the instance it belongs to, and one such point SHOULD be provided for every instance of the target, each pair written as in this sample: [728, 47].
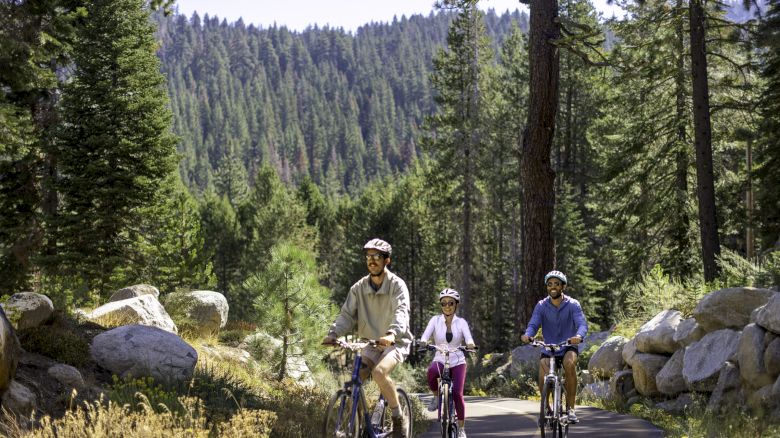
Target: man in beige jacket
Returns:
[378, 305]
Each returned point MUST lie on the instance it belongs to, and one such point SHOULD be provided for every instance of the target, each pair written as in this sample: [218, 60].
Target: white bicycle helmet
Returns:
[379, 245]
[452, 293]
[555, 274]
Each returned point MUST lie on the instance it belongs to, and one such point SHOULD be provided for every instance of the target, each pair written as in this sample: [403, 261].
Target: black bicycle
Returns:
[446, 404]
[348, 415]
[555, 419]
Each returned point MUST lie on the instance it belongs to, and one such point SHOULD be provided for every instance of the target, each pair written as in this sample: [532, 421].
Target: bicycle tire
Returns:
[453, 431]
[444, 420]
[336, 424]
[543, 408]
[406, 409]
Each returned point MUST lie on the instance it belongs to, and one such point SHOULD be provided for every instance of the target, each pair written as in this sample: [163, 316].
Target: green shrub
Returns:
[61, 345]
[143, 393]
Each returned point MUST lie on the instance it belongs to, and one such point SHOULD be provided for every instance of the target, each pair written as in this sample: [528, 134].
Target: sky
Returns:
[349, 14]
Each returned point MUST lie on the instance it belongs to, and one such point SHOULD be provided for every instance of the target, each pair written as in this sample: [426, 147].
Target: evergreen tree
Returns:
[768, 152]
[115, 147]
[290, 303]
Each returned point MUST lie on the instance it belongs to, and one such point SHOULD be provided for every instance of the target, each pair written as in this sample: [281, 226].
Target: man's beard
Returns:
[555, 295]
[381, 271]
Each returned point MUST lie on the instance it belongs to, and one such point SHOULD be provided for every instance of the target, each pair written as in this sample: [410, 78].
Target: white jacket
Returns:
[437, 327]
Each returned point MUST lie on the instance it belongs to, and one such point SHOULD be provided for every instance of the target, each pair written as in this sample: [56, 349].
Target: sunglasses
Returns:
[448, 303]
[375, 257]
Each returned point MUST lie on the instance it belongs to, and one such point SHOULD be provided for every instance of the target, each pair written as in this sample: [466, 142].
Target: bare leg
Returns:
[570, 370]
[544, 368]
[381, 375]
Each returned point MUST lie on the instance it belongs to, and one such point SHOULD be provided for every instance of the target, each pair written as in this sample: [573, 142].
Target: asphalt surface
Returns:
[507, 417]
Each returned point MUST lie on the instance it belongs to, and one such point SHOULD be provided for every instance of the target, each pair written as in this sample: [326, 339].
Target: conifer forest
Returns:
[138, 145]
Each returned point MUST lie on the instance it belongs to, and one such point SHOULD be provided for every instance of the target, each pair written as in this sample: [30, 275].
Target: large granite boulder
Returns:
[768, 316]
[730, 308]
[596, 391]
[646, 367]
[622, 385]
[657, 335]
[9, 352]
[68, 376]
[688, 332]
[669, 380]
[141, 351]
[678, 406]
[704, 359]
[608, 359]
[208, 310]
[629, 352]
[772, 355]
[28, 309]
[750, 356]
[136, 290]
[143, 310]
[727, 396]
[19, 400]
[525, 361]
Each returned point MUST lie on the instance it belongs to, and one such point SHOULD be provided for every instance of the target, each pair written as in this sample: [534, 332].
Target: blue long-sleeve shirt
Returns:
[558, 323]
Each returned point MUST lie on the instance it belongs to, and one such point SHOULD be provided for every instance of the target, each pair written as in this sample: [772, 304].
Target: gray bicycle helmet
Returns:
[379, 245]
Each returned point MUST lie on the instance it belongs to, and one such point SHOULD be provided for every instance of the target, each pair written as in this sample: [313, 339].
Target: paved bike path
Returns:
[509, 417]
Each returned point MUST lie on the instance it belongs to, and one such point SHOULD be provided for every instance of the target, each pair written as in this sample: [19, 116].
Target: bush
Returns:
[61, 345]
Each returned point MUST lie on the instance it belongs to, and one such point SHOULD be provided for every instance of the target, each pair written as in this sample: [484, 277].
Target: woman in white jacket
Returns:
[452, 330]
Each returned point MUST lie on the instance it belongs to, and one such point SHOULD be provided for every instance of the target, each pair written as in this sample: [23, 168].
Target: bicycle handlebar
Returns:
[354, 346]
[551, 347]
[444, 348]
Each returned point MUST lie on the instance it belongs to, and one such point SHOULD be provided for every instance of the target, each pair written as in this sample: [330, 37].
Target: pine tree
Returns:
[115, 147]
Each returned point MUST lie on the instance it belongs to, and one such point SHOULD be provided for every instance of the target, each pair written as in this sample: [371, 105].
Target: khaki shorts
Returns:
[389, 355]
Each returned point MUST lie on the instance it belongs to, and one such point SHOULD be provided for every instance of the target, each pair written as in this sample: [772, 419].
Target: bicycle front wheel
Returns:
[544, 419]
[406, 409]
[337, 417]
[446, 415]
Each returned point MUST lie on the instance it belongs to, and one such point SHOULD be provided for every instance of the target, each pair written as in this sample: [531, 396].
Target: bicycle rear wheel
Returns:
[337, 417]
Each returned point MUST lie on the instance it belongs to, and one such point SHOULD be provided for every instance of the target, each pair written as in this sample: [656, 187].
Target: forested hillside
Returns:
[342, 109]
[654, 166]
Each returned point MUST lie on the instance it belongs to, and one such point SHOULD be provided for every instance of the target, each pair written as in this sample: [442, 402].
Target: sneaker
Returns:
[572, 416]
[461, 433]
[400, 426]
[433, 405]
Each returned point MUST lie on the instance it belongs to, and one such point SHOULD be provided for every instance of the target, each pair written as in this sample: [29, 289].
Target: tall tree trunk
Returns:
[749, 237]
[708, 222]
[682, 220]
[537, 177]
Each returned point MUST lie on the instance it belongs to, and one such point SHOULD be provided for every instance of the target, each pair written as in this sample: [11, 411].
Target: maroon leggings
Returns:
[458, 375]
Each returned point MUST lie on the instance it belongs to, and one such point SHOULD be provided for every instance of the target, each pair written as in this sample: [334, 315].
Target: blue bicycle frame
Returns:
[358, 397]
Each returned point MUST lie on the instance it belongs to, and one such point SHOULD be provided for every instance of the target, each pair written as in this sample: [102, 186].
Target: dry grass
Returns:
[99, 420]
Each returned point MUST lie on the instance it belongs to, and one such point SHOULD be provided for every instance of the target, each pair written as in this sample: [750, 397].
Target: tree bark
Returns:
[708, 222]
[537, 176]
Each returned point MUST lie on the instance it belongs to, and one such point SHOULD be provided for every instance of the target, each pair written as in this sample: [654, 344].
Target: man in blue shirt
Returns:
[561, 319]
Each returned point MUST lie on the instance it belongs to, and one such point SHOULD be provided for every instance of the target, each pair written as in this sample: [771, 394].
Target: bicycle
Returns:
[446, 406]
[347, 415]
[556, 419]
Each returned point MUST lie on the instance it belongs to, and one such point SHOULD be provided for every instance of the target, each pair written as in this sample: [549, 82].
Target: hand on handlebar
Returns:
[525, 339]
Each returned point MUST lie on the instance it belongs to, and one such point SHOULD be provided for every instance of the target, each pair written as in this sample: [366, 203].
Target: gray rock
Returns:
[678, 406]
[688, 332]
[622, 385]
[728, 395]
[768, 316]
[28, 309]
[141, 351]
[143, 310]
[525, 361]
[704, 359]
[669, 380]
[750, 356]
[657, 335]
[761, 402]
[772, 357]
[646, 367]
[629, 352]
[608, 359]
[592, 339]
[209, 311]
[134, 291]
[730, 308]
[67, 375]
[19, 400]
[9, 352]
[596, 391]
[298, 371]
